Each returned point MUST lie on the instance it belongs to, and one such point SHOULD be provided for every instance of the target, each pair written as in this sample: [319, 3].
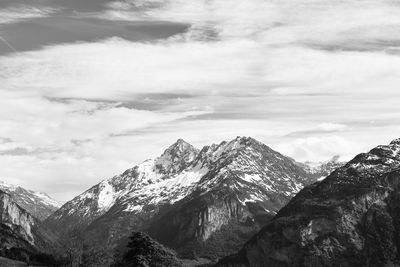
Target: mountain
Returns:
[37, 204]
[21, 234]
[132, 190]
[187, 198]
[351, 218]
[320, 170]
[245, 185]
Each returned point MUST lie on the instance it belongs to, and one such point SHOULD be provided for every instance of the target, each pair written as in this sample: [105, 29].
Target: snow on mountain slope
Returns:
[140, 182]
[246, 184]
[258, 180]
[38, 204]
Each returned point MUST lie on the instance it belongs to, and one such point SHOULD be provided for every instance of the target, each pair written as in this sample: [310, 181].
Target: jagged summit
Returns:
[180, 146]
[177, 157]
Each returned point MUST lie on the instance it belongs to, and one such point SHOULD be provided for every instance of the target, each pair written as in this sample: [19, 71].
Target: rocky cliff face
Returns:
[196, 196]
[37, 204]
[15, 218]
[20, 230]
[351, 218]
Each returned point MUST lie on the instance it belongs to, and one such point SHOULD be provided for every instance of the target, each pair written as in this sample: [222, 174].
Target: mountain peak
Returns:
[335, 158]
[239, 142]
[176, 157]
[245, 139]
[181, 141]
[180, 146]
[395, 141]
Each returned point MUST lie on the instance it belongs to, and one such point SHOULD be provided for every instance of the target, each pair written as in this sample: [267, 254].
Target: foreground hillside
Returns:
[351, 218]
[204, 202]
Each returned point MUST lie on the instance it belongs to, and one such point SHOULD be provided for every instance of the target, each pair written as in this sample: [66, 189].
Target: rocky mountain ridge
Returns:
[38, 204]
[241, 184]
[351, 218]
[247, 183]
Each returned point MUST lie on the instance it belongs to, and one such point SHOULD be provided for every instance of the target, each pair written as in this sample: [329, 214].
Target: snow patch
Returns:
[106, 196]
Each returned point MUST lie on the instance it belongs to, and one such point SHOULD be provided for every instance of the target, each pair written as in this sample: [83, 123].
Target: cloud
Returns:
[312, 79]
[316, 148]
[325, 127]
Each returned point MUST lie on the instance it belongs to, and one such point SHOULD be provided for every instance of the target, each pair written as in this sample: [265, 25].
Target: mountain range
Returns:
[203, 203]
[188, 198]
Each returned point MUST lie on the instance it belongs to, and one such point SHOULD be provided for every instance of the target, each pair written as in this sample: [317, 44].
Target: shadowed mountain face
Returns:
[188, 199]
[349, 219]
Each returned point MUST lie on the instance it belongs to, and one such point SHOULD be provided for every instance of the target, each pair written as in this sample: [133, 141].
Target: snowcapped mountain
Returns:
[136, 187]
[242, 183]
[38, 204]
[351, 218]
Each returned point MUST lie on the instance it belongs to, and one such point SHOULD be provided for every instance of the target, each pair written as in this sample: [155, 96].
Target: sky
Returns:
[89, 88]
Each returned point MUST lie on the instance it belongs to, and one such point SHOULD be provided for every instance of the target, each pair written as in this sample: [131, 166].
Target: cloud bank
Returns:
[312, 79]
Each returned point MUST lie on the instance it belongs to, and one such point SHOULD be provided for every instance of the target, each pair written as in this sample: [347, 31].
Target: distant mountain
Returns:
[37, 204]
[20, 232]
[351, 218]
[320, 170]
[188, 198]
